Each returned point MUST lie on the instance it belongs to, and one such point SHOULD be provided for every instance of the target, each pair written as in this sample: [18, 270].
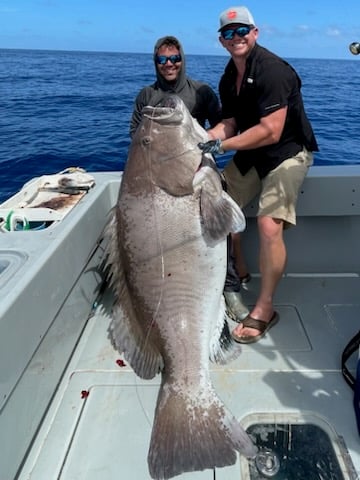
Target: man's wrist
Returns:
[211, 136]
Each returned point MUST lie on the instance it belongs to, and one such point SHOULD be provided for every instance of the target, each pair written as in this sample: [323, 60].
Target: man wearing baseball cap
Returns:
[264, 121]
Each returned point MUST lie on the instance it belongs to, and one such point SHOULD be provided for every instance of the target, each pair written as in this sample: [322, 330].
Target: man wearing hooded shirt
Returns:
[169, 60]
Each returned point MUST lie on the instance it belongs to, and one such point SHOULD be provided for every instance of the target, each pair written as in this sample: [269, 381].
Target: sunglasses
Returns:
[162, 59]
[240, 31]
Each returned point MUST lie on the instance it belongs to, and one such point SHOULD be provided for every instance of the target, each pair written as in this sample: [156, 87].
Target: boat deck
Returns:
[99, 423]
[70, 409]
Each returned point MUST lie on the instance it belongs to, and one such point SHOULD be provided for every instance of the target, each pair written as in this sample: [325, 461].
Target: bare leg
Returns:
[272, 260]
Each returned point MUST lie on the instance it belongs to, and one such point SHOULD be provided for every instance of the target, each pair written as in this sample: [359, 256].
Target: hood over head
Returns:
[181, 80]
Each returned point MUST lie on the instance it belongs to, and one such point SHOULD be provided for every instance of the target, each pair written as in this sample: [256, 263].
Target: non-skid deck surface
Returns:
[99, 424]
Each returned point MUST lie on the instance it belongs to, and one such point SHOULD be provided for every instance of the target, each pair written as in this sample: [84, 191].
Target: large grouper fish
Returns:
[167, 265]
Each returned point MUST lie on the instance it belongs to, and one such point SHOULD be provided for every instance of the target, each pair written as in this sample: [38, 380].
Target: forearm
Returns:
[255, 137]
[267, 132]
[223, 137]
[225, 129]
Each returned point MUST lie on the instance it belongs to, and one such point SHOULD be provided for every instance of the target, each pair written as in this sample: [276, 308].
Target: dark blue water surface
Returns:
[62, 109]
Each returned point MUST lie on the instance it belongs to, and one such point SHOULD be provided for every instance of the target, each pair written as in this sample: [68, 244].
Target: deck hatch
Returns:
[297, 450]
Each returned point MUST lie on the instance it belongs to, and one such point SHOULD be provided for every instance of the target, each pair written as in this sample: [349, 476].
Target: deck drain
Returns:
[268, 463]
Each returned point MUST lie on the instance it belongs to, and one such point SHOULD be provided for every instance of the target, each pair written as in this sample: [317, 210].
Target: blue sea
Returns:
[63, 109]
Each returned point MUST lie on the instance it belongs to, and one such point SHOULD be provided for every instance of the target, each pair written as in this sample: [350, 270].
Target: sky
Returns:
[290, 28]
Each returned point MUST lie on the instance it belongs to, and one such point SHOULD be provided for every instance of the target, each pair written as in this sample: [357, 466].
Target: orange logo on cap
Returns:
[231, 15]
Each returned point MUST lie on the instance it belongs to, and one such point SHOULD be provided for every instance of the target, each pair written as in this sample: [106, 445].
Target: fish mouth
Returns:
[167, 110]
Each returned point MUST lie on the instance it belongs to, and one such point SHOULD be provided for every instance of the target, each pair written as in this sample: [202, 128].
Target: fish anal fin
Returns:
[223, 349]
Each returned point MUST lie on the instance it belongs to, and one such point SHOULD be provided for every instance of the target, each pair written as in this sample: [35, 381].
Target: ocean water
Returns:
[63, 109]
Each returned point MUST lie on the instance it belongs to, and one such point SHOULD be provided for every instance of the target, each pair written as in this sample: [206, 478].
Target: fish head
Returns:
[165, 144]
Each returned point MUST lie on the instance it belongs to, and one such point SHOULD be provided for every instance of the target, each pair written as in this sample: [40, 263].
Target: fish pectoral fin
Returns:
[207, 179]
[220, 214]
[237, 221]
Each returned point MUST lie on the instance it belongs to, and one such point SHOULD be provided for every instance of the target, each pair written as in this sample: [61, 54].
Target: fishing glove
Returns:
[212, 146]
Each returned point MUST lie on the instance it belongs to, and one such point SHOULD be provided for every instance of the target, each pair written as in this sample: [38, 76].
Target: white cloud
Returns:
[303, 28]
[333, 32]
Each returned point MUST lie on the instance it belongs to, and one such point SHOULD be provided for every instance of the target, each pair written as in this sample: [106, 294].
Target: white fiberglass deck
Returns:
[99, 423]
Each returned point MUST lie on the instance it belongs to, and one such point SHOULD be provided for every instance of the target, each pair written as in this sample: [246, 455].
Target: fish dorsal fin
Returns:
[126, 331]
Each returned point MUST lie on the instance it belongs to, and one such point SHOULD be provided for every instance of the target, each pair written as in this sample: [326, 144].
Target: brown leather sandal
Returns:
[258, 324]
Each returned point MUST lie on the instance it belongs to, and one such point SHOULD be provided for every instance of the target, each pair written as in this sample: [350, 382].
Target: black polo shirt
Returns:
[269, 84]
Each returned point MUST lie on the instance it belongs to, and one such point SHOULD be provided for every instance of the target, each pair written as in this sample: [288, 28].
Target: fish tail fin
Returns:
[194, 433]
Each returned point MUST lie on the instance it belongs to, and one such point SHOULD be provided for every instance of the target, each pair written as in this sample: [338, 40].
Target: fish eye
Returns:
[146, 140]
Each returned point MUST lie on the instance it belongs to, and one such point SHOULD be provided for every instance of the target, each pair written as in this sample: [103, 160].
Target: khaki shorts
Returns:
[278, 190]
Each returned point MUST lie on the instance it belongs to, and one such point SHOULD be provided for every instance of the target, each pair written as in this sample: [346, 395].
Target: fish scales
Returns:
[167, 259]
